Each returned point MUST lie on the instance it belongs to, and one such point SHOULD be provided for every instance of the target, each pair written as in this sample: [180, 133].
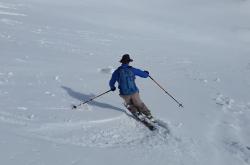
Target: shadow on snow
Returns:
[84, 97]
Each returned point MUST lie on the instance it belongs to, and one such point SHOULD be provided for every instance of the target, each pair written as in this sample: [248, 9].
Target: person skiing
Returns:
[125, 76]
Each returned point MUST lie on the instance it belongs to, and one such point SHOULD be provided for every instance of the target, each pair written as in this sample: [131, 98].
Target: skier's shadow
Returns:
[84, 97]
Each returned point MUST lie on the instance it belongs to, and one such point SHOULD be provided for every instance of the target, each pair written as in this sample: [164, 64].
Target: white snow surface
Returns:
[61, 52]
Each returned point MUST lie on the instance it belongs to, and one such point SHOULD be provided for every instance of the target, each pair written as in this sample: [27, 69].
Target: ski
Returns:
[151, 126]
[163, 125]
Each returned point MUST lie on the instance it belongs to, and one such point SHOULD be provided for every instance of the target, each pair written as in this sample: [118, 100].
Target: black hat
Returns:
[126, 59]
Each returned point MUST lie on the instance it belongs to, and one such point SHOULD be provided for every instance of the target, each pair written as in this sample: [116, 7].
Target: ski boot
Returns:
[139, 115]
[151, 118]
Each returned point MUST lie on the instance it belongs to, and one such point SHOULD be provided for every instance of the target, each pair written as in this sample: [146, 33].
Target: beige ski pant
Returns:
[134, 104]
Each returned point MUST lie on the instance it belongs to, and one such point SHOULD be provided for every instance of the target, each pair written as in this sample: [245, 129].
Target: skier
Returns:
[125, 76]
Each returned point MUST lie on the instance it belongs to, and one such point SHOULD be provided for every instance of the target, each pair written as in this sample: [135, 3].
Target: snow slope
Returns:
[57, 53]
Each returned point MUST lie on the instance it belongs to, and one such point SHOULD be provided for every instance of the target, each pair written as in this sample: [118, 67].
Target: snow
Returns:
[58, 53]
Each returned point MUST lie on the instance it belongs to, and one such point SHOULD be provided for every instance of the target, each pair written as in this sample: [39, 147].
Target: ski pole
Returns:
[82, 103]
[180, 105]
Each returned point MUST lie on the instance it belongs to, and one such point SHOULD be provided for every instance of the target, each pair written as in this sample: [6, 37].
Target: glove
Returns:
[113, 89]
[146, 72]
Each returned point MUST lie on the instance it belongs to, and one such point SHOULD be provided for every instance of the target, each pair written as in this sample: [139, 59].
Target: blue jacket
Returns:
[136, 72]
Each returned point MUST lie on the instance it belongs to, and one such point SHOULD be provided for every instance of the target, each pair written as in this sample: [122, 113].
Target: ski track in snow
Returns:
[111, 132]
[44, 40]
[9, 13]
[227, 133]
[231, 124]
[117, 132]
[9, 118]
[10, 22]
[13, 6]
[12, 14]
[231, 121]
[8, 8]
[121, 131]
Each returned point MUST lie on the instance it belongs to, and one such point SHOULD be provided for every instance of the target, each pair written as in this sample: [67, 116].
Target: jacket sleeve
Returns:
[140, 73]
[113, 79]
